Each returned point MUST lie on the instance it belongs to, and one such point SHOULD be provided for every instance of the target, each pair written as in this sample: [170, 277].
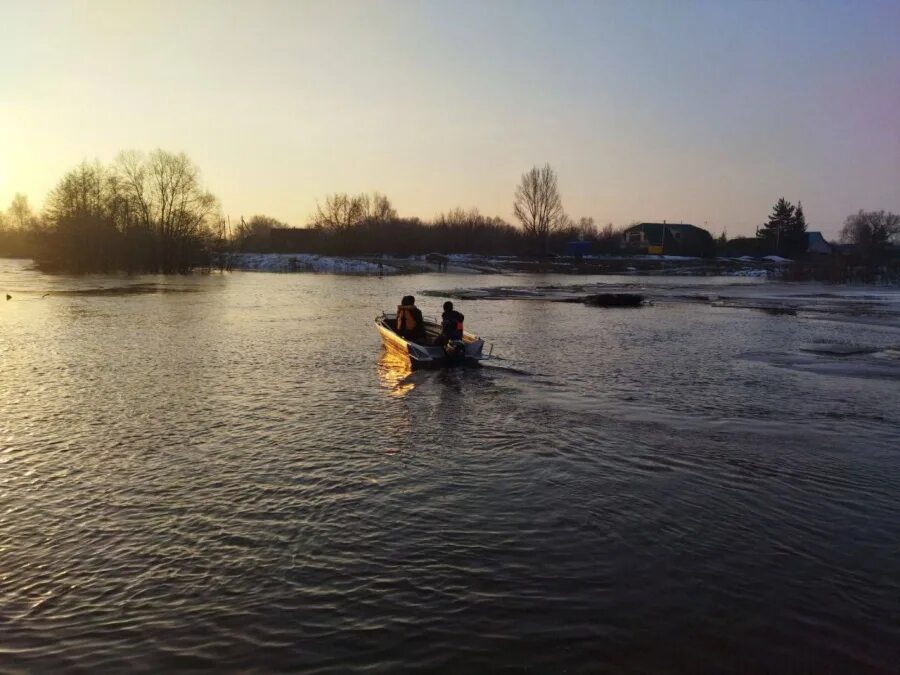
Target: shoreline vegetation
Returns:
[150, 213]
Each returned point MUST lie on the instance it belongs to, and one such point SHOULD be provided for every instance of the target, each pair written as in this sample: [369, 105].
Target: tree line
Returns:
[363, 224]
[867, 238]
[142, 213]
[151, 213]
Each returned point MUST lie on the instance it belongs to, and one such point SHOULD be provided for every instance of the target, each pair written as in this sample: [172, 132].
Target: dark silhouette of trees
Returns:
[369, 225]
[871, 232]
[779, 221]
[170, 204]
[799, 224]
[587, 229]
[364, 225]
[606, 240]
[145, 213]
[342, 211]
[19, 212]
[82, 212]
[785, 231]
[461, 231]
[609, 239]
[455, 231]
[378, 208]
[537, 204]
[255, 234]
[20, 229]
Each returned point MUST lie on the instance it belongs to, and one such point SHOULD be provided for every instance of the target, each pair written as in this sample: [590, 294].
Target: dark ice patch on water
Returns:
[132, 289]
[501, 293]
[838, 349]
[879, 307]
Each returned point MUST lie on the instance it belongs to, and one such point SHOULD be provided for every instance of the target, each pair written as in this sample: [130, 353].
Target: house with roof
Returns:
[668, 239]
[816, 244]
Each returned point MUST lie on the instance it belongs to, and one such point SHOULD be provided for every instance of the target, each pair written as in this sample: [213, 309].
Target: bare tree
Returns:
[460, 218]
[537, 203]
[84, 192]
[587, 229]
[340, 212]
[166, 199]
[871, 231]
[255, 234]
[379, 208]
[609, 239]
[343, 211]
[19, 212]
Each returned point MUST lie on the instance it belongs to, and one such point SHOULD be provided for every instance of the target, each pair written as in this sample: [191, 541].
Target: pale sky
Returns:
[702, 112]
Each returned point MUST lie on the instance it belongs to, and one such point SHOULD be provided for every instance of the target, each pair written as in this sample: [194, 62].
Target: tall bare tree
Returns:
[537, 203]
[166, 198]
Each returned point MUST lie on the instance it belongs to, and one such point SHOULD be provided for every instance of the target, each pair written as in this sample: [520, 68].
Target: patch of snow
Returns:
[778, 259]
[764, 274]
[304, 262]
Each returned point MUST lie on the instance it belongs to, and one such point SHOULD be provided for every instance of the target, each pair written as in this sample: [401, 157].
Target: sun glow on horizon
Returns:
[645, 111]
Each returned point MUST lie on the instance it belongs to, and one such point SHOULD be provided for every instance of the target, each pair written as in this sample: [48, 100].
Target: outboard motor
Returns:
[455, 349]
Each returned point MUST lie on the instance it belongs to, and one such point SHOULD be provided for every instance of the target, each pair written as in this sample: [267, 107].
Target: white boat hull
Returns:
[428, 355]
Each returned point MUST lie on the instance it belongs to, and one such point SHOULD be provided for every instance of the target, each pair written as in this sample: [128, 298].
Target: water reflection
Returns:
[644, 456]
[394, 373]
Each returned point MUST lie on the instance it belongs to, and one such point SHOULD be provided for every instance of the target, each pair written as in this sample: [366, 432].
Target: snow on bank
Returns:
[760, 274]
[305, 262]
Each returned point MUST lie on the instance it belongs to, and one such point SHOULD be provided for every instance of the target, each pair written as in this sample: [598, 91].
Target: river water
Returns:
[225, 471]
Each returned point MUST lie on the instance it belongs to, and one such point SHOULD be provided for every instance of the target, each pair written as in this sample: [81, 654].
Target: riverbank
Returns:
[767, 267]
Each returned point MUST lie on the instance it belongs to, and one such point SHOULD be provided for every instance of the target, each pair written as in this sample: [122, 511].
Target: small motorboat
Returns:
[468, 351]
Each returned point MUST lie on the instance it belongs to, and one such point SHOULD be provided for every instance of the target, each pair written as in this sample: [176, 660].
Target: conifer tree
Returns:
[798, 227]
[779, 226]
[794, 243]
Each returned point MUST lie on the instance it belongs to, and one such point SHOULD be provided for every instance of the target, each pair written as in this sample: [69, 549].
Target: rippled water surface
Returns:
[226, 472]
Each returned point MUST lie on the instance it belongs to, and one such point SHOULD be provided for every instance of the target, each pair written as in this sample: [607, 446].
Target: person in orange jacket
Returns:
[410, 324]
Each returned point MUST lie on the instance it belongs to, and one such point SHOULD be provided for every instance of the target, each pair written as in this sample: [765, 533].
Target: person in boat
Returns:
[451, 324]
[410, 323]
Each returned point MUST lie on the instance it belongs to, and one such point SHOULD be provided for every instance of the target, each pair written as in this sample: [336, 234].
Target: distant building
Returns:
[578, 248]
[816, 244]
[294, 239]
[663, 238]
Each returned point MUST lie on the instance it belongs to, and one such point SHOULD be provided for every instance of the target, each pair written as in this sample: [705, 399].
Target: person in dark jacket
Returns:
[451, 324]
[410, 323]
